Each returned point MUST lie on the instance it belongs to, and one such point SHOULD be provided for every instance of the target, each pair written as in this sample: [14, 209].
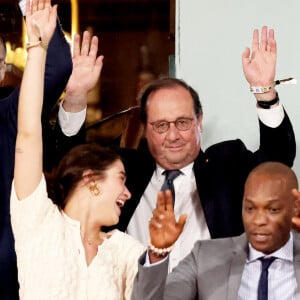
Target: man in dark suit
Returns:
[210, 186]
[230, 268]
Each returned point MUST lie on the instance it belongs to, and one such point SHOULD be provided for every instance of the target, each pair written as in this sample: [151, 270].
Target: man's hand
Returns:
[259, 65]
[86, 72]
[163, 228]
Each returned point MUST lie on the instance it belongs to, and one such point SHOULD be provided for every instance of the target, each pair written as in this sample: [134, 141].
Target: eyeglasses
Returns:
[181, 124]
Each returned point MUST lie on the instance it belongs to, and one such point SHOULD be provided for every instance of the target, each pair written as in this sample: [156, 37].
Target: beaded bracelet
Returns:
[37, 43]
[160, 252]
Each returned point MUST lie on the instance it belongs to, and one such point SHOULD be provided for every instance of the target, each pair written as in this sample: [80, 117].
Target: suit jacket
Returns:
[212, 271]
[58, 70]
[220, 174]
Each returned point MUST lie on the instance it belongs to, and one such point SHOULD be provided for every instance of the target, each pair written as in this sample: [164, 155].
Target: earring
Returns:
[94, 188]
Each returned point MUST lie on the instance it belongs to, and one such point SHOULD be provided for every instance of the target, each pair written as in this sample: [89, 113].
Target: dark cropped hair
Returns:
[162, 83]
[64, 179]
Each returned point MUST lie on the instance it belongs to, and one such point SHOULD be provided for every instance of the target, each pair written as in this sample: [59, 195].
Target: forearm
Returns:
[58, 69]
[150, 281]
[28, 157]
[277, 143]
[30, 100]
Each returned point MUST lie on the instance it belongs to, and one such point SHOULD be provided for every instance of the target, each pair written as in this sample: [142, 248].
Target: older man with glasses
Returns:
[209, 186]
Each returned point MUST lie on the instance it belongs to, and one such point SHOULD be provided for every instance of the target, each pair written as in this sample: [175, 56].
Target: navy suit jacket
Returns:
[58, 70]
[220, 174]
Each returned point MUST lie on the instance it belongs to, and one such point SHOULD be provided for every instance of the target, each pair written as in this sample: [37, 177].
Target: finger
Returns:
[47, 3]
[85, 46]
[94, 47]
[28, 8]
[160, 204]
[76, 45]
[41, 5]
[246, 59]
[98, 65]
[264, 38]
[272, 42]
[34, 6]
[169, 200]
[181, 222]
[255, 43]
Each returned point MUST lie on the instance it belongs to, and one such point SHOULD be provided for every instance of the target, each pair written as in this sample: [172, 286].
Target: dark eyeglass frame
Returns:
[164, 126]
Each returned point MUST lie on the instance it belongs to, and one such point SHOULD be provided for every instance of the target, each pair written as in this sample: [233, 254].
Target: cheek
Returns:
[154, 140]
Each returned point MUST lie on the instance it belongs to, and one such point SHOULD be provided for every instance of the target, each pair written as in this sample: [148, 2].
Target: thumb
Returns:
[181, 222]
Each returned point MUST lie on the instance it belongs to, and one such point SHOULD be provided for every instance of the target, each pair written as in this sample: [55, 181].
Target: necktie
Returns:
[168, 184]
[262, 292]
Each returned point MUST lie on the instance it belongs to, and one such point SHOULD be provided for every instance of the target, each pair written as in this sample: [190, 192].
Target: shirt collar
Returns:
[186, 170]
[285, 252]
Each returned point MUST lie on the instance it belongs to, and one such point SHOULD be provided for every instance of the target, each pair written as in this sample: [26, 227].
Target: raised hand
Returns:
[86, 72]
[259, 65]
[163, 228]
[40, 21]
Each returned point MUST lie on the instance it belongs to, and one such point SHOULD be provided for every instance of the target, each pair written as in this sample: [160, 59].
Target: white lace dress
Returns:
[51, 258]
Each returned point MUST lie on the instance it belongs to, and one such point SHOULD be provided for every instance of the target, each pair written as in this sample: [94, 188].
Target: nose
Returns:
[260, 218]
[173, 132]
[127, 194]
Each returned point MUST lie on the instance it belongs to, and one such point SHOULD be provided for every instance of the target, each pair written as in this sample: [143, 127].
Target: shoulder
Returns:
[222, 246]
[226, 148]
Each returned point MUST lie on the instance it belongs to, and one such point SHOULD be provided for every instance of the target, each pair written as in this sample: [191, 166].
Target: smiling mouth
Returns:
[120, 203]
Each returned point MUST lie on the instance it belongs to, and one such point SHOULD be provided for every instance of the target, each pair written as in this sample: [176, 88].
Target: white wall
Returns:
[210, 38]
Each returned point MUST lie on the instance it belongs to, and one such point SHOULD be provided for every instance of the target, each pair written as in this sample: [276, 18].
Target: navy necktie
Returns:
[262, 292]
[168, 184]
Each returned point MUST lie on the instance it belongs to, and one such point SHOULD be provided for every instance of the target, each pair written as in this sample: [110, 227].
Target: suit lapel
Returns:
[237, 266]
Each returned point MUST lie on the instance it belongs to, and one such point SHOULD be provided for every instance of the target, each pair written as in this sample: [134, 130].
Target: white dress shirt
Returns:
[186, 201]
[282, 281]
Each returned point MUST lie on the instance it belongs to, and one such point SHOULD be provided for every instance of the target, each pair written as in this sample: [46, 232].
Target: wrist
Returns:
[159, 252]
[74, 103]
[37, 43]
[269, 103]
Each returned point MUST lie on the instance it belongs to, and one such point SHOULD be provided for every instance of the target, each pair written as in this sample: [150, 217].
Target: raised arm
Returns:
[40, 23]
[277, 139]
[87, 67]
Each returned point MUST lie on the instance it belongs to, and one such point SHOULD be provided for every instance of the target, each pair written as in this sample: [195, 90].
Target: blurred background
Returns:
[137, 39]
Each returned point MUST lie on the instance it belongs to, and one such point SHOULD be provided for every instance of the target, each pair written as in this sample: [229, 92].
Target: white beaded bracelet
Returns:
[160, 252]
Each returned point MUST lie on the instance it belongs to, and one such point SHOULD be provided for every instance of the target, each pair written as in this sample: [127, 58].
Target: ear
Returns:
[87, 175]
[200, 119]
